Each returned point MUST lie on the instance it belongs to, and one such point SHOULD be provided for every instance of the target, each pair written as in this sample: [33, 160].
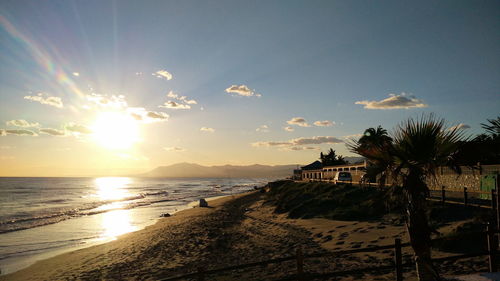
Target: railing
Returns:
[397, 266]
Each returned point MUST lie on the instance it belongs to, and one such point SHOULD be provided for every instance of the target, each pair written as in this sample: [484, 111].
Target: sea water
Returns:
[43, 217]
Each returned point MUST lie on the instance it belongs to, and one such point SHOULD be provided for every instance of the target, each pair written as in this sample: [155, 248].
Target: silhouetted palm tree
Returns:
[416, 151]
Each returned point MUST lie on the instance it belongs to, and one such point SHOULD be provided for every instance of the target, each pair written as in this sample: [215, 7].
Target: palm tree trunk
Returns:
[418, 228]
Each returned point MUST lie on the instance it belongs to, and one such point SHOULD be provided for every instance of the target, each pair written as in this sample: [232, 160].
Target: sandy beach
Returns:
[233, 230]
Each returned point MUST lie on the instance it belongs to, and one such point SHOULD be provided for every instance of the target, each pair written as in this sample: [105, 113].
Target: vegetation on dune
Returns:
[326, 200]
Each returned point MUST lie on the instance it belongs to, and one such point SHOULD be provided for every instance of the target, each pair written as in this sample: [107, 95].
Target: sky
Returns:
[116, 87]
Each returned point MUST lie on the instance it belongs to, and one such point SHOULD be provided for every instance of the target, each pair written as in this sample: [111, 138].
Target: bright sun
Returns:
[115, 130]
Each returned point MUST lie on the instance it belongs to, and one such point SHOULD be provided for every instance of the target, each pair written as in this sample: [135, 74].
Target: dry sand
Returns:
[234, 230]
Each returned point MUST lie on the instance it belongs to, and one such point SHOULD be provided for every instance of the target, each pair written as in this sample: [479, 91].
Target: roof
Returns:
[313, 166]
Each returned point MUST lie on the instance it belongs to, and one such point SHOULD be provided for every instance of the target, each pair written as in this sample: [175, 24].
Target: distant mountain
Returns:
[189, 170]
[354, 159]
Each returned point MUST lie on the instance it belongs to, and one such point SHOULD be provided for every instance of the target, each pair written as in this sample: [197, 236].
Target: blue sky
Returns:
[319, 60]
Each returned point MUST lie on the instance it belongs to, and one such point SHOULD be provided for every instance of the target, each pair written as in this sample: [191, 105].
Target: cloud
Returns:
[297, 148]
[207, 129]
[52, 132]
[355, 136]
[298, 121]
[460, 126]
[163, 74]
[394, 102]
[324, 123]
[263, 128]
[141, 114]
[77, 129]
[17, 132]
[184, 99]
[112, 101]
[175, 105]
[300, 141]
[242, 90]
[76, 74]
[46, 99]
[175, 148]
[289, 129]
[22, 123]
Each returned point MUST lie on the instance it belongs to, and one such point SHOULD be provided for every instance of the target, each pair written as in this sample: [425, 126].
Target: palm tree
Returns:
[418, 148]
[374, 145]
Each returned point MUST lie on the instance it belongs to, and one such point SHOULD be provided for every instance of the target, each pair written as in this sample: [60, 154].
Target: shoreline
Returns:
[33, 271]
[25, 263]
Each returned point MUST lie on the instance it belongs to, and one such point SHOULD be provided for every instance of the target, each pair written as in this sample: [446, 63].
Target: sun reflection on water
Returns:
[116, 223]
[112, 188]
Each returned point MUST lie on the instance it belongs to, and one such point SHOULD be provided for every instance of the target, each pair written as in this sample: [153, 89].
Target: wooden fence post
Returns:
[492, 248]
[443, 198]
[494, 205]
[398, 259]
[465, 197]
[300, 264]
[201, 274]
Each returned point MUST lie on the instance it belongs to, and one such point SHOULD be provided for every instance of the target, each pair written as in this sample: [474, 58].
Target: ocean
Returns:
[43, 217]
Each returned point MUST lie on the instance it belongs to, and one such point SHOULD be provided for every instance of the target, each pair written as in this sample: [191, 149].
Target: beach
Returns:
[233, 230]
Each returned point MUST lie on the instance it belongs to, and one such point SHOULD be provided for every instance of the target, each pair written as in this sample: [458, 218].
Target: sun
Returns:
[115, 130]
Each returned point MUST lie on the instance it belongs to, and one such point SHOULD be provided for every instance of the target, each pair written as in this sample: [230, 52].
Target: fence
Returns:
[397, 266]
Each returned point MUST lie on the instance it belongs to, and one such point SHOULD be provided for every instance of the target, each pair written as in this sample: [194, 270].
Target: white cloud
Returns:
[289, 129]
[46, 99]
[175, 148]
[460, 126]
[52, 132]
[207, 129]
[298, 121]
[163, 74]
[355, 136]
[17, 132]
[175, 105]
[77, 129]
[325, 123]
[242, 90]
[76, 74]
[394, 102]
[263, 129]
[299, 141]
[112, 101]
[22, 123]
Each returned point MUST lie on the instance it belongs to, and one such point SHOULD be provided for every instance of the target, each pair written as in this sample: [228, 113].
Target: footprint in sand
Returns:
[341, 226]
[319, 235]
[331, 231]
[327, 238]
[340, 243]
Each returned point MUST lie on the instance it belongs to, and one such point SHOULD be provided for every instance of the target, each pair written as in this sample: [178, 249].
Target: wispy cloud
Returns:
[263, 129]
[207, 129]
[394, 101]
[289, 129]
[324, 123]
[77, 129]
[298, 148]
[76, 74]
[242, 90]
[141, 114]
[113, 101]
[184, 99]
[22, 123]
[163, 74]
[52, 132]
[460, 126]
[299, 141]
[298, 121]
[46, 99]
[17, 132]
[175, 105]
[175, 148]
